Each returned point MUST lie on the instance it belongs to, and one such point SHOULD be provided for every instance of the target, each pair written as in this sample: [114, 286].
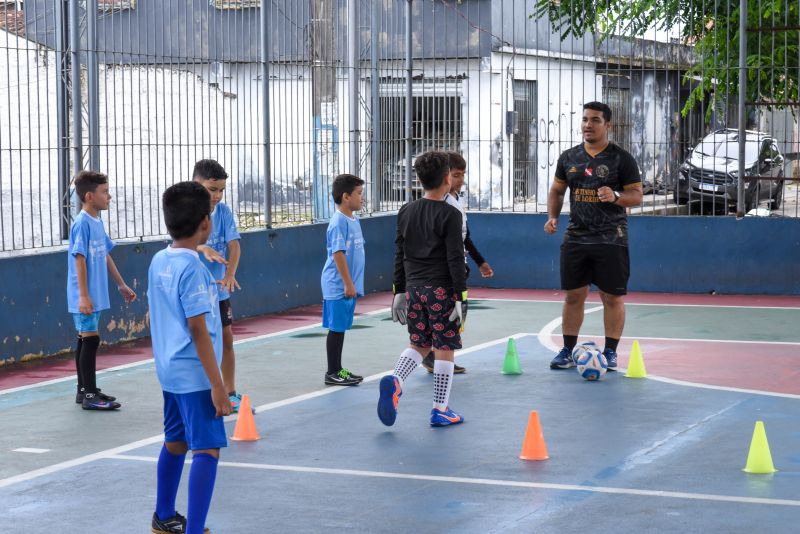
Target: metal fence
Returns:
[289, 96]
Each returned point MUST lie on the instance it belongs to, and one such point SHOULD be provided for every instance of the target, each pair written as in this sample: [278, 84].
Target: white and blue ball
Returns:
[591, 363]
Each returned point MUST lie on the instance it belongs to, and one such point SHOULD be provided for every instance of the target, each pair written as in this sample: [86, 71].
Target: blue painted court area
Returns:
[634, 455]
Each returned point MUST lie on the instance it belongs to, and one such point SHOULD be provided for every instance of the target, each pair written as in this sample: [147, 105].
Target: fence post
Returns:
[742, 103]
[75, 64]
[62, 115]
[409, 103]
[92, 85]
[353, 79]
[375, 148]
[265, 40]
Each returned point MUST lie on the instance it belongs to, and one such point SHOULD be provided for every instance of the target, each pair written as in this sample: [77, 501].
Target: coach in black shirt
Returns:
[603, 180]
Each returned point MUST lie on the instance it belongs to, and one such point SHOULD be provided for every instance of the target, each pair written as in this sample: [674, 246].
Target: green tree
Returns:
[712, 29]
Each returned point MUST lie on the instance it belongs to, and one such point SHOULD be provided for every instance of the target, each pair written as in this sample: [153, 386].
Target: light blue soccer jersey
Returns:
[343, 234]
[88, 237]
[223, 231]
[180, 287]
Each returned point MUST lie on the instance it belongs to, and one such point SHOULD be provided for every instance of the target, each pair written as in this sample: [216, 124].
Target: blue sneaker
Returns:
[563, 359]
[445, 418]
[611, 358]
[389, 399]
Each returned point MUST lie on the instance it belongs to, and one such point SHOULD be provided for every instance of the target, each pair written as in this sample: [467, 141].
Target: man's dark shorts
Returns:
[606, 266]
[428, 322]
[226, 312]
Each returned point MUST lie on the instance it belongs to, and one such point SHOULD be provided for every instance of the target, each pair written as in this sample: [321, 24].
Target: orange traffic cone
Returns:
[245, 429]
[533, 448]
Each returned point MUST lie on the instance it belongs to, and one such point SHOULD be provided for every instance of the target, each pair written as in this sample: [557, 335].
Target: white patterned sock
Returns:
[408, 361]
[442, 380]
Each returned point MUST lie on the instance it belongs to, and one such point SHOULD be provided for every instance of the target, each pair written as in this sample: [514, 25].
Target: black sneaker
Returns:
[82, 393]
[93, 401]
[427, 362]
[353, 375]
[563, 359]
[174, 525]
[342, 378]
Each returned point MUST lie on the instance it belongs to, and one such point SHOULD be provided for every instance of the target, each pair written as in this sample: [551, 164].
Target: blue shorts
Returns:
[337, 315]
[86, 322]
[191, 417]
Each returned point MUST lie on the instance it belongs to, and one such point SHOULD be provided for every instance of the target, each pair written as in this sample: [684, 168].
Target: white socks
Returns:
[442, 380]
[408, 361]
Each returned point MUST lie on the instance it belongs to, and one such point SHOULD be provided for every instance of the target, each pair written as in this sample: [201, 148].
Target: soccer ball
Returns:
[591, 363]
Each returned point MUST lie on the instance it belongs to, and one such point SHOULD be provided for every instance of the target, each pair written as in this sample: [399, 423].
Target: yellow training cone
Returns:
[636, 363]
[759, 460]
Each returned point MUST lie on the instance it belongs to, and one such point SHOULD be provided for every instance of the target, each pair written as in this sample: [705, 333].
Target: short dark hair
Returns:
[457, 161]
[209, 169]
[87, 182]
[599, 106]
[431, 168]
[185, 205]
[344, 183]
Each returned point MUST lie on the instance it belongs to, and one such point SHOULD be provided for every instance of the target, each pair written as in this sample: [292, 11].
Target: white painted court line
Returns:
[547, 330]
[150, 360]
[545, 337]
[492, 482]
[50, 469]
[31, 450]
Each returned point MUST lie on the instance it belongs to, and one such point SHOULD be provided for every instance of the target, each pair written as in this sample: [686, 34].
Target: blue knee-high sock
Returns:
[169, 472]
[201, 486]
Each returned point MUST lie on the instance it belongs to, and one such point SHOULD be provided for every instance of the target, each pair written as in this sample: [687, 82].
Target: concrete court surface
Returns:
[662, 454]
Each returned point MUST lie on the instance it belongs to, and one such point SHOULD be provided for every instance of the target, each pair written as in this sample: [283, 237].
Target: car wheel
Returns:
[751, 200]
[678, 199]
[777, 200]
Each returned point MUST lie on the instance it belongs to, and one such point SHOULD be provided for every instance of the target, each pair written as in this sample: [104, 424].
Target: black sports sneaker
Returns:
[174, 525]
[342, 378]
[427, 363]
[93, 401]
[353, 375]
[82, 393]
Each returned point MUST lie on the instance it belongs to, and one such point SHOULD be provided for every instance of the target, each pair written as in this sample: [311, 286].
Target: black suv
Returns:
[711, 172]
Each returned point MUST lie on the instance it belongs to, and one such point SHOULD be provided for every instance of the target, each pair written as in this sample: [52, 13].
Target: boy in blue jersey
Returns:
[88, 265]
[187, 347]
[343, 275]
[221, 254]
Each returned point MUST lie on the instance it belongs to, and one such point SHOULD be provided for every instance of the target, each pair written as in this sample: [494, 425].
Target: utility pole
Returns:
[324, 106]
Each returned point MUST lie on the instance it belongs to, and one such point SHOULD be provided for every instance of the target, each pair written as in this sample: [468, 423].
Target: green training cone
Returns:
[759, 460]
[511, 361]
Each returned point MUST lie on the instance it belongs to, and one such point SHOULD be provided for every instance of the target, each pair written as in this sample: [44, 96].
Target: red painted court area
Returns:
[752, 366]
[746, 365]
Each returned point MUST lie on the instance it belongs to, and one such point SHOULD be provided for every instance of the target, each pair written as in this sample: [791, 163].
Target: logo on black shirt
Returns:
[602, 171]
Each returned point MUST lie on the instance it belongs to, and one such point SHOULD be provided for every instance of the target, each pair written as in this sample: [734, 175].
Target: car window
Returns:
[722, 146]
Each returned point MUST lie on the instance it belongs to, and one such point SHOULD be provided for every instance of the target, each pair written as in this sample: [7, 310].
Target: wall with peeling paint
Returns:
[280, 270]
[755, 255]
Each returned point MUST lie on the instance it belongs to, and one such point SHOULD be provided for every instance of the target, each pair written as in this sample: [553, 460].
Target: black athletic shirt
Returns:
[429, 250]
[591, 221]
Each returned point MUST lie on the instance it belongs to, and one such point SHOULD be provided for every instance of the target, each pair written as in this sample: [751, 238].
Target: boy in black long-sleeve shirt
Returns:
[430, 293]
